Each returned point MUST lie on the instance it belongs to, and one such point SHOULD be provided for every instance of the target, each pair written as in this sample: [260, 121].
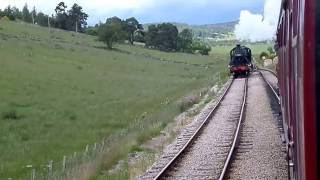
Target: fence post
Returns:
[87, 148]
[64, 163]
[33, 174]
[50, 170]
[95, 146]
[102, 146]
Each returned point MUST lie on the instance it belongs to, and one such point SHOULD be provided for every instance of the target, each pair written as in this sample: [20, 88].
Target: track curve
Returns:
[204, 156]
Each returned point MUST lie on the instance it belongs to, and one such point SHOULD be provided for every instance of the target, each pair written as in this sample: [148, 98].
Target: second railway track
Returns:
[260, 153]
[204, 154]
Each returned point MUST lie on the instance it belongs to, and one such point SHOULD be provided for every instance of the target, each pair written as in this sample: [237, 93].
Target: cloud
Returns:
[189, 11]
[258, 27]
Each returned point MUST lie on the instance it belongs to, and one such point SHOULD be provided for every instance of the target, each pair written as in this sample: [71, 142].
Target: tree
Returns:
[42, 19]
[167, 37]
[151, 36]
[60, 8]
[131, 26]
[112, 31]
[26, 16]
[201, 47]
[139, 36]
[16, 13]
[77, 18]
[9, 13]
[163, 36]
[61, 16]
[114, 19]
[185, 40]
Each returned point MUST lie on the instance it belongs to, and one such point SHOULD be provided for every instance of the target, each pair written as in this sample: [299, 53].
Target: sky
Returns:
[149, 11]
[257, 18]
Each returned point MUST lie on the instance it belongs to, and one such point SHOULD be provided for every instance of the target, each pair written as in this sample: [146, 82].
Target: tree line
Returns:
[165, 36]
[73, 19]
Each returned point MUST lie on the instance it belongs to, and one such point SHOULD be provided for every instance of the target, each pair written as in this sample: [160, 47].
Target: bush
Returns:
[110, 33]
[201, 47]
[264, 54]
[92, 31]
[5, 18]
[11, 114]
[188, 101]
[205, 50]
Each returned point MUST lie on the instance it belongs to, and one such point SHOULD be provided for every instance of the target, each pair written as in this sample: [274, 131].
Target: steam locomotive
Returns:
[240, 61]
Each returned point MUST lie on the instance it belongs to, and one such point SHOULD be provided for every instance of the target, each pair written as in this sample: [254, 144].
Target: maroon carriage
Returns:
[298, 42]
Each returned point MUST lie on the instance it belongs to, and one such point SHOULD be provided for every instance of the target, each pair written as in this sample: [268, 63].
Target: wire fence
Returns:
[69, 167]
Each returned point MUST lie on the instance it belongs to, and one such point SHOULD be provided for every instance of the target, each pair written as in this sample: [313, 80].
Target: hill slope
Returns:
[61, 91]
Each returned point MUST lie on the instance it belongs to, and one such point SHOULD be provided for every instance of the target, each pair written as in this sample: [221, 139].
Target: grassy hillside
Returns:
[61, 91]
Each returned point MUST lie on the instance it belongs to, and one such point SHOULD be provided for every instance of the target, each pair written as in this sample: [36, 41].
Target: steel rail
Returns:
[236, 135]
[272, 72]
[272, 89]
[162, 173]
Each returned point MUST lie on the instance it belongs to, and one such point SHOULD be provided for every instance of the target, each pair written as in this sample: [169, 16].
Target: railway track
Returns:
[207, 150]
[260, 154]
[223, 142]
[271, 80]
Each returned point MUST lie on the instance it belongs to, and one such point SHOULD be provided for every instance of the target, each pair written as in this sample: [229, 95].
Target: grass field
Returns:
[256, 49]
[61, 91]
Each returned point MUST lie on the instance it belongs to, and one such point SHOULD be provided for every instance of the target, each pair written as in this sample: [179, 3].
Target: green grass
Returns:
[61, 91]
[256, 48]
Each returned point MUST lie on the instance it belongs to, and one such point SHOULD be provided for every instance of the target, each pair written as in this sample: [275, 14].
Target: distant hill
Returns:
[207, 30]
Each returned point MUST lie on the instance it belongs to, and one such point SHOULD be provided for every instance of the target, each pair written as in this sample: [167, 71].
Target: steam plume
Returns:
[258, 27]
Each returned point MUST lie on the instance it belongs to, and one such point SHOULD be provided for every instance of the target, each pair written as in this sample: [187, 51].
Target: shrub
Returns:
[92, 31]
[188, 101]
[11, 114]
[111, 33]
[5, 18]
[264, 54]
[58, 46]
[201, 47]
[205, 50]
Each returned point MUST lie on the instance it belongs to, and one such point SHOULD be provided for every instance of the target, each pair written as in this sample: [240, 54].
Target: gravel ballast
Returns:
[261, 153]
[205, 158]
[271, 78]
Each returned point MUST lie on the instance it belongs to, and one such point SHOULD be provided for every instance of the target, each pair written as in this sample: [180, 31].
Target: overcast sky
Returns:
[147, 11]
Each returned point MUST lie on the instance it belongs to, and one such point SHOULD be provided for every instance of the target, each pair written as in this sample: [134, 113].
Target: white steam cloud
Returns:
[259, 27]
